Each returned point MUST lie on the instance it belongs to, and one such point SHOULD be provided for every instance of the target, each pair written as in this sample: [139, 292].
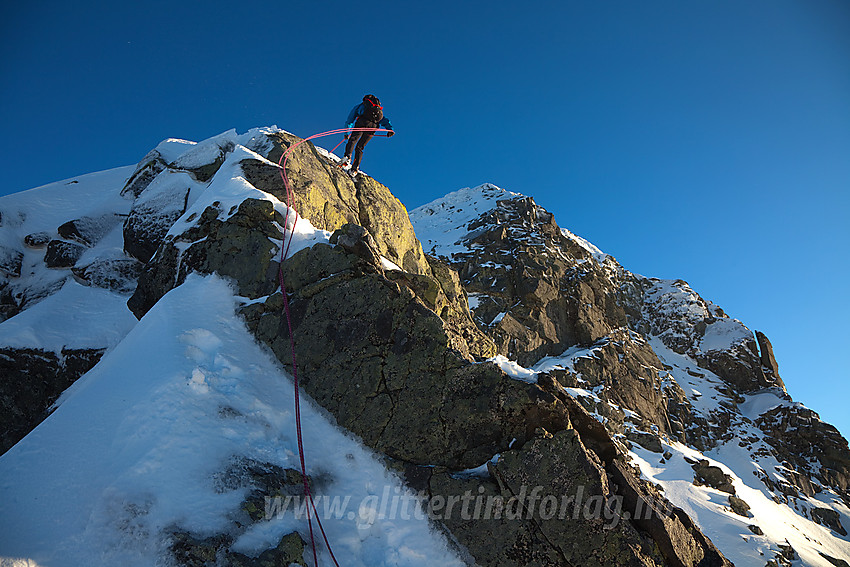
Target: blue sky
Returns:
[708, 141]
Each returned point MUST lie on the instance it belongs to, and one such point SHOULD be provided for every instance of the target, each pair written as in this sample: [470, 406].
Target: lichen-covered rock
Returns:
[61, 254]
[30, 381]
[383, 364]
[328, 197]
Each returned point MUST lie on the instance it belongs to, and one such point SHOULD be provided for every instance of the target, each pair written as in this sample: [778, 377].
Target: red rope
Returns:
[284, 254]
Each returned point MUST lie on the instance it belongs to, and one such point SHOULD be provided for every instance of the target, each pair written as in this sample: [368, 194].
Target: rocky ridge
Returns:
[418, 350]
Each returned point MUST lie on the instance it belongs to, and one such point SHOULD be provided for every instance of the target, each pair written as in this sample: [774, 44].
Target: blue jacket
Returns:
[357, 111]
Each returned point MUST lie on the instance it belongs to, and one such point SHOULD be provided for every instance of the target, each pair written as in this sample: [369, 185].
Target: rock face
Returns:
[532, 297]
[328, 197]
[390, 369]
[238, 247]
[30, 381]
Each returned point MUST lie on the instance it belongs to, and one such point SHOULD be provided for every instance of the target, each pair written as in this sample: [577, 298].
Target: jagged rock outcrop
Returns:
[688, 324]
[533, 291]
[327, 196]
[768, 360]
[239, 247]
[650, 358]
[799, 439]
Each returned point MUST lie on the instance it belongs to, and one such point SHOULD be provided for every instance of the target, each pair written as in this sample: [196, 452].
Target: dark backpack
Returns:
[373, 113]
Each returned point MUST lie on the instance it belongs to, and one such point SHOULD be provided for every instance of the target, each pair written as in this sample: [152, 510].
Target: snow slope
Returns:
[72, 318]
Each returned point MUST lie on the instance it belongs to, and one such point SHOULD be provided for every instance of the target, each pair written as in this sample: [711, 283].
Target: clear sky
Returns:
[702, 140]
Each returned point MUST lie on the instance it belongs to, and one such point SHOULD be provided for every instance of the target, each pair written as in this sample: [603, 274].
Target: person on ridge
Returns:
[367, 114]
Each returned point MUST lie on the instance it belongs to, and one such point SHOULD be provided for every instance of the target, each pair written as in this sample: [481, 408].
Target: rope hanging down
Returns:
[284, 254]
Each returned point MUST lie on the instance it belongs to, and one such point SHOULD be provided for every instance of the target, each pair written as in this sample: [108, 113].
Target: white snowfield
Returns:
[138, 446]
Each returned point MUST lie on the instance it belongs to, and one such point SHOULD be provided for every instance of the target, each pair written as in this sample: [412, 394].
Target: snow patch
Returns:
[513, 369]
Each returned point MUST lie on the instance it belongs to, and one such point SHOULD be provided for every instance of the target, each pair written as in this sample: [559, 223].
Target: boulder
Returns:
[739, 506]
[648, 441]
[37, 239]
[706, 474]
[61, 254]
[89, 230]
[117, 274]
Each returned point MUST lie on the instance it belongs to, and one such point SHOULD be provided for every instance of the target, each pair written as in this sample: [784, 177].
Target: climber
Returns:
[367, 114]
